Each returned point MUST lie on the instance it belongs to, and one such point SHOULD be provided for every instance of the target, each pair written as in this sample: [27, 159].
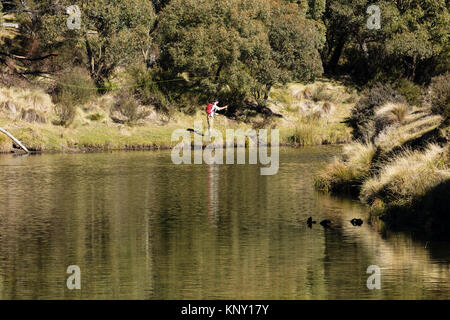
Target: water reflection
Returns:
[140, 227]
[213, 193]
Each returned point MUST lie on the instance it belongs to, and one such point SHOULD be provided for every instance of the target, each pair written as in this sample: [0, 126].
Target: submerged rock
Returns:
[356, 222]
[325, 223]
[310, 222]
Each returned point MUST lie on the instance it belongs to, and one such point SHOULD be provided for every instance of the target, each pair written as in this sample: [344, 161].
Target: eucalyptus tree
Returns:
[240, 47]
[100, 34]
[411, 33]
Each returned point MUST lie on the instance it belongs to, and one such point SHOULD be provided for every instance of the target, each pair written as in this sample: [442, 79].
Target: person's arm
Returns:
[222, 108]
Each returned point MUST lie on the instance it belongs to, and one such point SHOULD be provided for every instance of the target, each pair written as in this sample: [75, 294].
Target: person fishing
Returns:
[211, 110]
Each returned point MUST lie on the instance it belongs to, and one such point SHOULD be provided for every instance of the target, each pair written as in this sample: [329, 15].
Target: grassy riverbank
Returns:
[305, 115]
[399, 165]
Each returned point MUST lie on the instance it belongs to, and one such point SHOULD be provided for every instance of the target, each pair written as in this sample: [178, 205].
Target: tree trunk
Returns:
[337, 52]
[91, 59]
[412, 74]
[218, 72]
[266, 94]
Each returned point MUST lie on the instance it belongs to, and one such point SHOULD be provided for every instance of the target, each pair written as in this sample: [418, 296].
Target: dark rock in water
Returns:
[356, 222]
[325, 223]
[310, 222]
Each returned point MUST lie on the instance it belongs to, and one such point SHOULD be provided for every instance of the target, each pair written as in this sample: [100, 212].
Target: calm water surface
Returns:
[140, 227]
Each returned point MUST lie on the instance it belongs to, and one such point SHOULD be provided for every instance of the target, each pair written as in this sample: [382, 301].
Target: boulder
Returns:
[31, 115]
[11, 107]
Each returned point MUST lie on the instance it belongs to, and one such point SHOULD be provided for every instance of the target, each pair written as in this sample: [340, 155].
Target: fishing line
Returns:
[129, 86]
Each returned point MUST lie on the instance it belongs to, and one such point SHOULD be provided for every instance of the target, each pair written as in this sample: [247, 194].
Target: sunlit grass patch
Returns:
[311, 131]
[396, 136]
[347, 173]
[409, 175]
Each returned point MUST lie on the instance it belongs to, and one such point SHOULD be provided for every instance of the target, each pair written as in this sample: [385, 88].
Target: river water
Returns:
[140, 227]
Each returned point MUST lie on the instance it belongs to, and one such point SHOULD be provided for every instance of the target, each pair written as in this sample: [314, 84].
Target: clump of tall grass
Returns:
[347, 173]
[378, 163]
[313, 130]
[393, 112]
[387, 115]
[24, 99]
[65, 111]
[285, 98]
[396, 136]
[146, 89]
[408, 176]
[362, 118]
[321, 93]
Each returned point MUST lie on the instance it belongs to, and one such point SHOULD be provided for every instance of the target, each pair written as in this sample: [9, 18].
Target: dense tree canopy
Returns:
[111, 33]
[413, 34]
[233, 48]
[240, 46]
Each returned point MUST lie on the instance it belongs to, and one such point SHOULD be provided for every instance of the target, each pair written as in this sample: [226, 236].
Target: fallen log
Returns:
[15, 140]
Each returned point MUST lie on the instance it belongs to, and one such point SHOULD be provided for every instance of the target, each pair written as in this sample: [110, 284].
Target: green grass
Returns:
[99, 136]
[93, 129]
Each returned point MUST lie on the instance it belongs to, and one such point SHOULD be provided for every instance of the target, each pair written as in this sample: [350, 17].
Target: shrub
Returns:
[127, 106]
[313, 130]
[65, 113]
[146, 89]
[440, 95]
[363, 113]
[72, 89]
[75, 87]
[411, 91]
